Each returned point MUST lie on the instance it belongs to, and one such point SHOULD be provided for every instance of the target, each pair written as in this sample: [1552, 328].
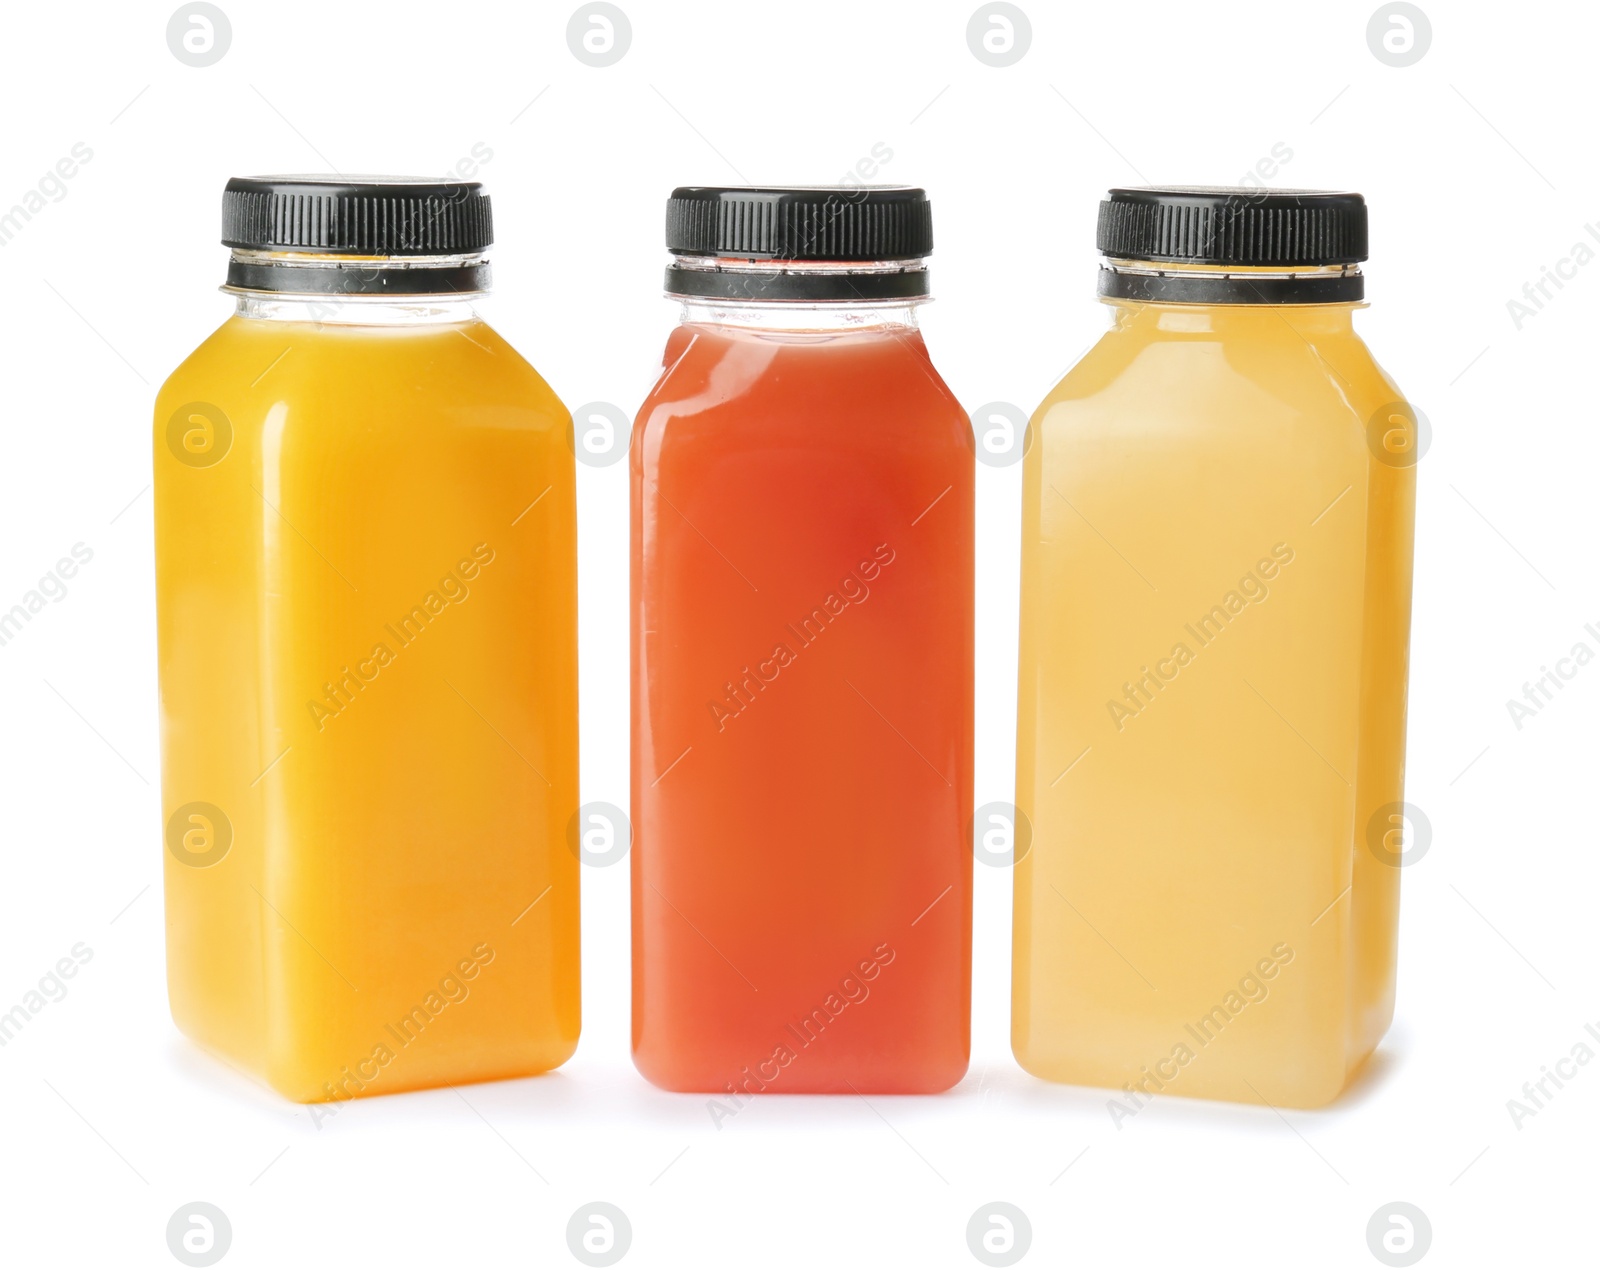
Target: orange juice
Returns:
[366, 602]
[1217, 536]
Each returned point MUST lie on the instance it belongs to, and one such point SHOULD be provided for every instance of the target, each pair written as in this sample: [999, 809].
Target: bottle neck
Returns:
[741, 281]
[354, 310]
[797, 316]
[1256, 322]
[1167, 282]
[822, 296]
[416, 286]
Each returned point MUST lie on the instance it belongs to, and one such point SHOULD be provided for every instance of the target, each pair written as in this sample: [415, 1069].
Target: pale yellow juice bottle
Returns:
[1216, 595]
[366, 598]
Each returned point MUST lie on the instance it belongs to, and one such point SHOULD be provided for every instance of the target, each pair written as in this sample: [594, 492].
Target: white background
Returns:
[1479, 165]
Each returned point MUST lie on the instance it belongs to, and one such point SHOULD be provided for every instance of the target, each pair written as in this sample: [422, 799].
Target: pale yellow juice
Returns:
[1216, 580]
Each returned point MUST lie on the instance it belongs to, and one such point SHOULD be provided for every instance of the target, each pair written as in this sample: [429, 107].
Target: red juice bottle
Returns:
[802, 492]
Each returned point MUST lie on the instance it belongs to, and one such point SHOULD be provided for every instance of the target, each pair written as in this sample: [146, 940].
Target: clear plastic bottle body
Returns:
[802, 706]
[1214, 647]
[366, 602]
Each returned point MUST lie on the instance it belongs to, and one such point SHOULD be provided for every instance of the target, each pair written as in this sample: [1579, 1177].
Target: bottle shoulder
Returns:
[711, 369]
[197, 364]
[1279, 360]
[246, 359]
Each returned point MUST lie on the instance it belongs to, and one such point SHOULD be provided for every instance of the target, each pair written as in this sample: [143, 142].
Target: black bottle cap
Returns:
[891, 226]
[1227, 227]
[397, 219]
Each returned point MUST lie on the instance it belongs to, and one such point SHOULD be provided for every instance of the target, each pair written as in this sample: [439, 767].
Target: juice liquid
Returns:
[802, 728]
[366, 603]
[1216, 603]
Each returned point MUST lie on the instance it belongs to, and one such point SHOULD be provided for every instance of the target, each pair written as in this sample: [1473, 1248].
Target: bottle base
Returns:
[1308, 1088]
[302, 1082]
[773, 1076]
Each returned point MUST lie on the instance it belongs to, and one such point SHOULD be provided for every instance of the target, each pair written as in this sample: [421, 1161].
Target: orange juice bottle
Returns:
[366, 599]
[1216, 578]
[802, 660]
